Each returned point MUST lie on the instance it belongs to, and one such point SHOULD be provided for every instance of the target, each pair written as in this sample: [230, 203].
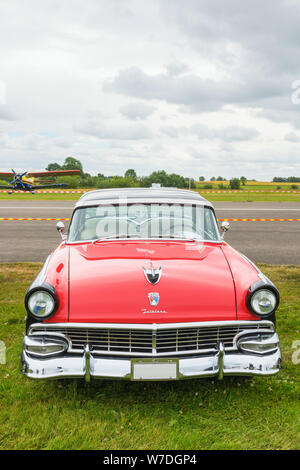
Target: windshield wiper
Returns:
[100, 239]
[172, 235]
[165, 236]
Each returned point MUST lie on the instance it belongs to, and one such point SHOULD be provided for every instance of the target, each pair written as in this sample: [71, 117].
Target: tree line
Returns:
[289, 179]
[129, 179]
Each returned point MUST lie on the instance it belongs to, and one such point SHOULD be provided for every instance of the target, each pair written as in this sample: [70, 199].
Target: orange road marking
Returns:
[43, 219]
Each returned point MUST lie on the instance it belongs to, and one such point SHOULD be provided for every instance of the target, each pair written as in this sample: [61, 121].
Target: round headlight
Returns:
[41, 304]
[263, 302]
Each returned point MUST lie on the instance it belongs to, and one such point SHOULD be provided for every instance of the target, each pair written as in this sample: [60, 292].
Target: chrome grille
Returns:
[189, 339]
[160, 341]
[110, 340]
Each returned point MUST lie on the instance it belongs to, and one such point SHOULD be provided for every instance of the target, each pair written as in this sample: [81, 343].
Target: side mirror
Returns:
[61, 229]
[224, 227]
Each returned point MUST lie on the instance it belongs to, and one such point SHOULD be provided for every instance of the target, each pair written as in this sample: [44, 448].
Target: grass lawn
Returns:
[252, 185]
[246, 195]
[40, 197]
[255, 413]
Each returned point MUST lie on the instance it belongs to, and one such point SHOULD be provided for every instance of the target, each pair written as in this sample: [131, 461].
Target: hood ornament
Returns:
[153, 275]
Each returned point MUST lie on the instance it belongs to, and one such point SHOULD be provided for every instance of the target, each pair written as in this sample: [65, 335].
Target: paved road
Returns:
[269, 242]
[264, 242]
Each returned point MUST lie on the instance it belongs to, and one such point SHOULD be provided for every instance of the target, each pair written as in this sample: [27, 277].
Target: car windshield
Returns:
[145, 221]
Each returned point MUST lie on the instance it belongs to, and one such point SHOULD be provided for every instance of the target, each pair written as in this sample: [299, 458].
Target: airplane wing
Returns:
[37, 174]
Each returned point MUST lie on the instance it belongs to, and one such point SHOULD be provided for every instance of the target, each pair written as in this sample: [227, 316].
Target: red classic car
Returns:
[144, 287]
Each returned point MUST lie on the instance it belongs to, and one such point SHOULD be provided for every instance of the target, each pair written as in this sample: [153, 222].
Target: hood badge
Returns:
[153, 298]
[153, 275]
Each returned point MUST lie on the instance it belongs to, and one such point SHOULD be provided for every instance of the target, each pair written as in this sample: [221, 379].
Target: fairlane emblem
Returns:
[153, 275]
[153, 298]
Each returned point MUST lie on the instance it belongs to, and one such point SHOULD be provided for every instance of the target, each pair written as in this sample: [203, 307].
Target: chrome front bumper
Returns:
[90, 365]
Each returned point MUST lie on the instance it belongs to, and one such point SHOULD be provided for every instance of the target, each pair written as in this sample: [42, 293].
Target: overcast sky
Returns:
[196, 87]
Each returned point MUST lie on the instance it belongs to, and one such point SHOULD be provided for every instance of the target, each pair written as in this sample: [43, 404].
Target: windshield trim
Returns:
[205, 206]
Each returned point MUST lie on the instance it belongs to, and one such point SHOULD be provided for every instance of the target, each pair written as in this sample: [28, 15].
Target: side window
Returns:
[210, 227]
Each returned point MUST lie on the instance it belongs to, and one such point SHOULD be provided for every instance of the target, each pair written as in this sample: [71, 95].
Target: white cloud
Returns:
[112, 131]
[229, 134]
[292, 137]
[6, 113]
[151, 85]
[137, 110]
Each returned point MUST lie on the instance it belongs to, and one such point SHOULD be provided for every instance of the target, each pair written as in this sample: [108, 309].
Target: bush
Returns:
[166, 180]
[116, 182]
[235, 183]
[72, 182]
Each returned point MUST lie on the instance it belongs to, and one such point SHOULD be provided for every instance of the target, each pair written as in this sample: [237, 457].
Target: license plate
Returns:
[154, 370]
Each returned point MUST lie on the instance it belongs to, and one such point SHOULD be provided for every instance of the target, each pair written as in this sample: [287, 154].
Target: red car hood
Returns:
[108, 283]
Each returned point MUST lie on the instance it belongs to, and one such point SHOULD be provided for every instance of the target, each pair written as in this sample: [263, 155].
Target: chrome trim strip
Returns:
[40, 278]
[153, 326]
[192, 352]
[143, 200]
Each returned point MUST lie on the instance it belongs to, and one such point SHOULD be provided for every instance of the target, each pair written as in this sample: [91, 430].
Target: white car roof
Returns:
[142, 195]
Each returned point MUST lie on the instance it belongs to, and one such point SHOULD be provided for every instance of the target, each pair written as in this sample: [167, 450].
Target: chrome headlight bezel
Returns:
[49, 290]
[257, 288]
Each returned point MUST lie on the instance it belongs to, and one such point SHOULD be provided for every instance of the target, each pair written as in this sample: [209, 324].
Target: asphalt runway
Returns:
[266, 242]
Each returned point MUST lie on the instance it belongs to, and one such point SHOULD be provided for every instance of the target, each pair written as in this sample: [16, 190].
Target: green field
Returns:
[255, 413]
[252, 185]
[244, 197]
[246, 194]
[39, 197]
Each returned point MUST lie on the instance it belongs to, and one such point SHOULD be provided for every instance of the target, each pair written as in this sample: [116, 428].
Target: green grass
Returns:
[245, 195]
[252, 185]
[256, 413]
[40, 197]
